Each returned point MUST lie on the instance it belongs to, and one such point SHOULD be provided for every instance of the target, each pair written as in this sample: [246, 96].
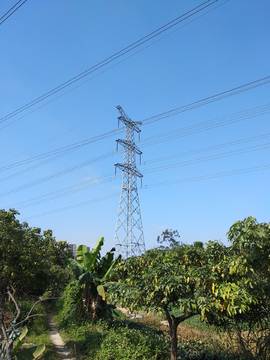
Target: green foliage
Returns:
[117, 339]
[71, 296]
[226, 286]
[28, 353]
[128, 339]
[27, 256]
[92, 274]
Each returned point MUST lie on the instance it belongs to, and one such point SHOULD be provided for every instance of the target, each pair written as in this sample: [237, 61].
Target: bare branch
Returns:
[29, 316]
[16, 305]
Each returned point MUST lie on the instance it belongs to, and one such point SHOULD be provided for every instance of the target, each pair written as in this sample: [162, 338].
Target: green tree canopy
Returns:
[27, 255]
[222, 284]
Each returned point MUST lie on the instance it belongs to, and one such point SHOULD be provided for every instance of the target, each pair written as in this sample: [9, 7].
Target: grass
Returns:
[122, 338]
[118, 338]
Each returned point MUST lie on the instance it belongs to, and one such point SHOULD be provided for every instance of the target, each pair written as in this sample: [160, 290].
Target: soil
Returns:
[184, 331]
[56, 338]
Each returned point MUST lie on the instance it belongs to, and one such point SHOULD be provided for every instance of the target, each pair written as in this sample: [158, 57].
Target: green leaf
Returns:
[18, 342]
[16, 345]
[30, 353]
[75, 267]
[85, 278]
[96, 251]
[101, 291]
[111, 271]
[81, 252]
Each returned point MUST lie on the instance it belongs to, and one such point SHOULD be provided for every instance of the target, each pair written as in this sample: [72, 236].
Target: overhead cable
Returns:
[222, 95]
[210, 176]
[53, 154]
[108, 177]
[150, 141]
[53, 176]
[85, 185]
[10, 12]
[113, 57]
[165, 183]
[156, 139]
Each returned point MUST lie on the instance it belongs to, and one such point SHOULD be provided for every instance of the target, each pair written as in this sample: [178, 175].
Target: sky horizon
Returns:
[201, 89]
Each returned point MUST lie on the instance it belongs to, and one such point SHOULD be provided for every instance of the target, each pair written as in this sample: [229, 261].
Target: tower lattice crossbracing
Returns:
[129, 239]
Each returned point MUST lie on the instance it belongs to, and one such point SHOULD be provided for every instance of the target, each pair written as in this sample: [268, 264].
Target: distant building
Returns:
[73, 247]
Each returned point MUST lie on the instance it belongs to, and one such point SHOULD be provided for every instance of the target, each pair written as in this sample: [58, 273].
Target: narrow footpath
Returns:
[56, 338]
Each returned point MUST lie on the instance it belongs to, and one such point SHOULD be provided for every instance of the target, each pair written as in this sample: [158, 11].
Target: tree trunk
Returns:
[173, 324]
[173, 335]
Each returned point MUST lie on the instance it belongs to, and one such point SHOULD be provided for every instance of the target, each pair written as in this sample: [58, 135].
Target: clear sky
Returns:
[199, 155]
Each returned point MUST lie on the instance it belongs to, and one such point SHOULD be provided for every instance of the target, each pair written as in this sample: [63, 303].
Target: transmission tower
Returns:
[128, 238]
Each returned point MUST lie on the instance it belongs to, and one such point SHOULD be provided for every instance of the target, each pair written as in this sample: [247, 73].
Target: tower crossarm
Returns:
[127, 121]
[129, 145]
[129, 169]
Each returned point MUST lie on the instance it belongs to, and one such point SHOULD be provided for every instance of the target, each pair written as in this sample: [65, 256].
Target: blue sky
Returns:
[46, 43]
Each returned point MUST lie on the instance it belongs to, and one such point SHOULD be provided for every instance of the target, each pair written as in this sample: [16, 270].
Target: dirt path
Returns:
[58, 342]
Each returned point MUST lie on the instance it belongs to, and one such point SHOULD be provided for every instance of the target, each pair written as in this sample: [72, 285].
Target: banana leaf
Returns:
[111, 271]
[76, 267]
[81, 256]
[30, 353]
[101, 291]
[96, 252]
[18, 342]
[85, 278]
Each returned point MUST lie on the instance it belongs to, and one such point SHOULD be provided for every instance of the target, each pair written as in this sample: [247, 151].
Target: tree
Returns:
[27, 256]
[93, 272]
[220, 283]
[169, 237]
[26, 259]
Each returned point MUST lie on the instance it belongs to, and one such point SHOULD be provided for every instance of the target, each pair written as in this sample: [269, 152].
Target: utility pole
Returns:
[128, 238]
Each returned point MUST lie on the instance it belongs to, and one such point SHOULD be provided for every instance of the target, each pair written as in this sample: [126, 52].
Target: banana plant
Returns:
[93, 272]
[27, 353]
[24, 354]
[11, 345]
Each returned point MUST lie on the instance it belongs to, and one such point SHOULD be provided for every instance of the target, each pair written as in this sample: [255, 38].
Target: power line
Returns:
[156, 139]
[53, 154]
[209, 158]
[208, 100]
[75, 205]
[7, 15]
[209, 176]
[198, 103]
[209, 148]
[53, 176]
[108, 177]
[206, 125]
[101, 180]
[153, 140]
[165, 183]
[113, 57]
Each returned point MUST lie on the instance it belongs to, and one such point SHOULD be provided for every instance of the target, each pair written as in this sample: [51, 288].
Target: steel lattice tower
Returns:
[128, 238]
